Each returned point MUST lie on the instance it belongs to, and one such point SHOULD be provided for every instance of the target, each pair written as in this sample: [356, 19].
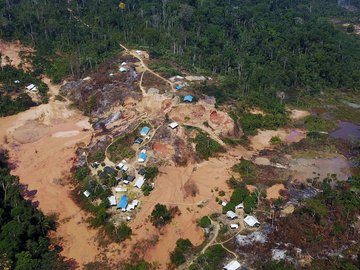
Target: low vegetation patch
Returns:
[161, 215]
[206, 147]
[183, 247]
[212, 259]
[204, 222]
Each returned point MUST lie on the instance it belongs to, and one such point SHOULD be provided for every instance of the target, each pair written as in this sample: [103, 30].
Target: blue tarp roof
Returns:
[144, 131]
[179, 87]
[123, 202]
[188, 98]
[143, 156]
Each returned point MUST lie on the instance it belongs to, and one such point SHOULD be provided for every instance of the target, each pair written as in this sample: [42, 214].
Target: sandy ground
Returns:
[174, 187]
[12, 50]
[42, 142]
[310, 168]
[296, 115]
[273, 192]
[219, 122]
[262, 139]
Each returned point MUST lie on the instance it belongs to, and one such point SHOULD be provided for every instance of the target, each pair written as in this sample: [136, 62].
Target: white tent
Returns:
[120, 189]
[231, 215]
[174, 125]
[234, 226]
[86, 193]
[30, 86]
[125, 168]
[233, 265]
[240, 206]
[138, 52]
[112, 200]
[123, 63]
[122, 69]
[139, 182]
[251, 221]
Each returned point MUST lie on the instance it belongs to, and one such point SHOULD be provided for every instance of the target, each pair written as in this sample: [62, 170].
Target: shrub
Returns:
[275, 140]
[160, 216]
[204, 222]
[81, 173]
[206, 147]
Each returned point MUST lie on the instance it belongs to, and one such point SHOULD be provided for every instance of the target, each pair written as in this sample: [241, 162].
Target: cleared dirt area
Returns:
[262, 139]
[204, 115]
[172, 189]
[41, 143]
[273, 192]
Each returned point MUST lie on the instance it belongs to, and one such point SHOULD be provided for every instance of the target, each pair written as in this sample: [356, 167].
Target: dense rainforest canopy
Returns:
[257, 46]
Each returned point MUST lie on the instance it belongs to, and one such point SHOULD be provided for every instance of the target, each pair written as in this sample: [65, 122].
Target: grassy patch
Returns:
[206, 147]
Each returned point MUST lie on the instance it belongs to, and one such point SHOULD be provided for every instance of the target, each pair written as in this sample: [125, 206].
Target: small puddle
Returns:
[346, 130]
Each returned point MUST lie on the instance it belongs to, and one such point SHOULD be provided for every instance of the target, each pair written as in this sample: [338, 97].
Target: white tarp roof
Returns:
[132, 205]
[139, 182]
[120, 189]
[231, 214]
[123, 63]
[125, 168]
[112, 200]
[251, 221]
[239, 206]
[86, 193]
[234, 226]
[30, 86]
[174, 125]
[122, 69]
[138, 52]
[233, 265]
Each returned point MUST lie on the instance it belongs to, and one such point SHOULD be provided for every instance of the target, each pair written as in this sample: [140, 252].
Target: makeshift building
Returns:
[233, 265]
[234, 226]
[120, 189]
[179, 87]
[231, 215]
[112, 200]
[109, 170]
[240, 206]
[251, 221]
[139, 182]
[122, 69]
[30, 87]
[130, 178]
[139, 140]
[174, 125]
[144, 131]
[86, 193]
[142, 156]
[123, 202]
[142, 171]
[188, 98]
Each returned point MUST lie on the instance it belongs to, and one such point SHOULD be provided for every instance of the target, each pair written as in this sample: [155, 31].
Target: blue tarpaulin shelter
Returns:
[144, 131]
[142, 157]
[179, 87]
[188, 98]
[123, 202]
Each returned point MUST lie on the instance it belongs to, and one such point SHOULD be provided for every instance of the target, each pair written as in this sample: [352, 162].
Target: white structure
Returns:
[234, 226]
[240, 206]
[112, 200]
[121, 165]
[86, 193]
[87, 79]
[174, 125]
[132, 205]
[224, 203]
[251, 221]
[233, 265]
[138, 52]
[139, 182]
[122, 69]
[16, 81]
[120, 189]
[123, 64]
[126, 182]
[231, 215]
[125, 168]
[30, 87]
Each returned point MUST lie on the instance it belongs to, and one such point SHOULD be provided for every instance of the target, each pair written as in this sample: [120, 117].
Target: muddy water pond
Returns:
[346, 130]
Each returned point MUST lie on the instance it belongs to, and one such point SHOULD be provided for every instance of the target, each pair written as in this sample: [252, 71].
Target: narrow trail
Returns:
[147, 69]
